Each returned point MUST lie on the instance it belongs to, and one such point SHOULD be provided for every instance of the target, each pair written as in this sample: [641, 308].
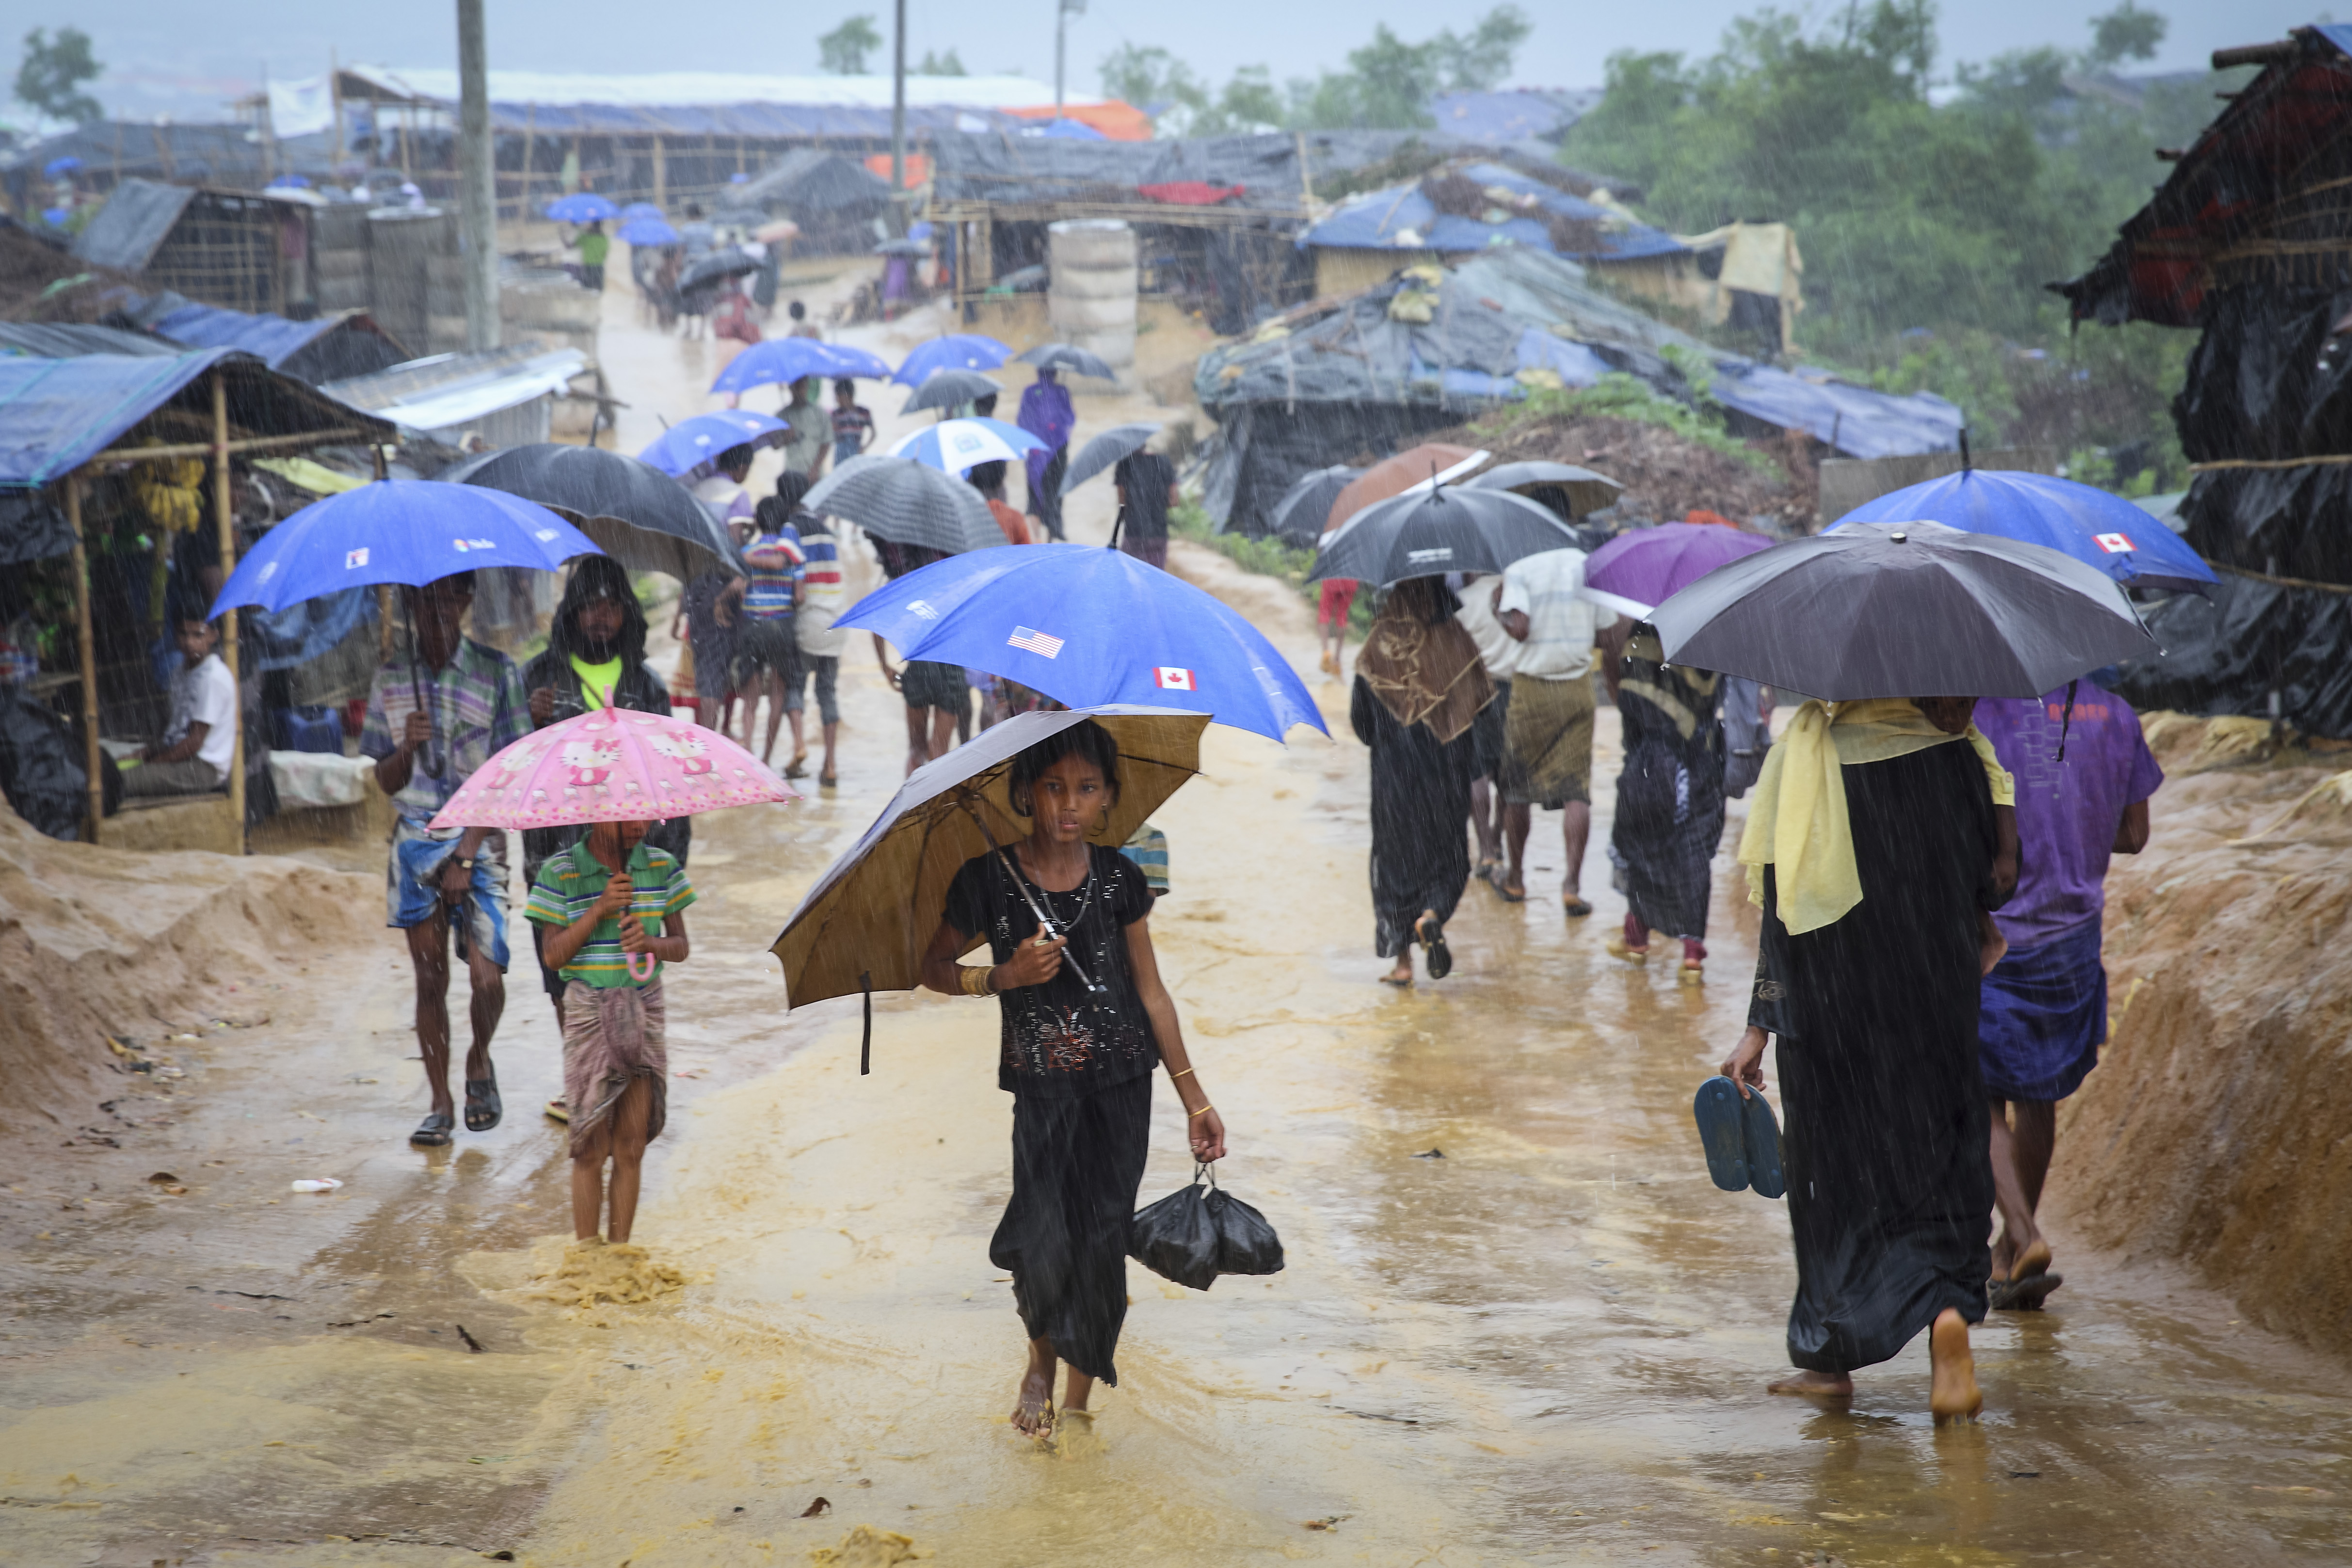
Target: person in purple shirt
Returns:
[2044, 1011]
[1046, 414]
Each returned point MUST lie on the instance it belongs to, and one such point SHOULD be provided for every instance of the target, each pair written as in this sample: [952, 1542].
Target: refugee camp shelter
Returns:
[236, 249]
[128, 486]
[491, 398]
[834, 199]
[226, 155]
[1212, 216]
[2248, 241]
[1437, 344]
[322, 349]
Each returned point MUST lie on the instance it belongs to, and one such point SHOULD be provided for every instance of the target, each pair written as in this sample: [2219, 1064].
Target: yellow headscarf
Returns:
[1797, 819]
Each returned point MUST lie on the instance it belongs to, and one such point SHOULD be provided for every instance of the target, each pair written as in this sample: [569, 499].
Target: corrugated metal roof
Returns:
[447, 390]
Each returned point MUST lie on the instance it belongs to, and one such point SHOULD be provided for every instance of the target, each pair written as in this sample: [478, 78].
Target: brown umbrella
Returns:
[1394, 476]
[866, 924]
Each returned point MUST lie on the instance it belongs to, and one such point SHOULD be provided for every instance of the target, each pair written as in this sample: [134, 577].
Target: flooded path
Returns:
[1550, 1345]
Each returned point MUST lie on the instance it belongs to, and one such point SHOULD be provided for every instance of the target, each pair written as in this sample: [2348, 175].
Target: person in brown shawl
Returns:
[1419, 683]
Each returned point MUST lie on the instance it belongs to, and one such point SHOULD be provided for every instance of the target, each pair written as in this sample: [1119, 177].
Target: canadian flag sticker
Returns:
[1168, 677]
[2113, 544]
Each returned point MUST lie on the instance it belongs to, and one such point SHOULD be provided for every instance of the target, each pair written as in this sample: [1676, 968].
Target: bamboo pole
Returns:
[529, 136]
[224, 514]
[85, 648]
[250, 443]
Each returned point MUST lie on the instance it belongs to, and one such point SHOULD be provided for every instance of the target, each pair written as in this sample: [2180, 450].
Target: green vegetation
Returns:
[1267, 556]
[50, 76]
[843, 51]
[948, 64]
[1621, 397]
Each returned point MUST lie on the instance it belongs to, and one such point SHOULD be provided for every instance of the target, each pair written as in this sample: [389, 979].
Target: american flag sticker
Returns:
[1039, 642]
[2113, 544]
[1168, 677]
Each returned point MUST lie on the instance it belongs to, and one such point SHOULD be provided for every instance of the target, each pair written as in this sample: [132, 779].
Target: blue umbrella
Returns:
[56, 166]
[784, 360]
[581, 206]
[643, 209]
[956, 351]
[956, 445]
[688, 450]
[2093, 527]
[413, 531]
[289, 182]
[646, 231]
[1087, 625]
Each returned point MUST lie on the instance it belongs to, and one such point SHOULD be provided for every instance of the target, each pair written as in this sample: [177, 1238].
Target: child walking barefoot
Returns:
[613, 908]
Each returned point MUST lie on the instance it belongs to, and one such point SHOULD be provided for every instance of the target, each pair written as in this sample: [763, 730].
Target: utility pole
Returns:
[899, 117]
[1063, 10]
[476, 196]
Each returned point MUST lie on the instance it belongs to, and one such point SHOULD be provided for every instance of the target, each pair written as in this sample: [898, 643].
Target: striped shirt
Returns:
[569, 886]
[822, 574]
[772, 564]
[477, 706]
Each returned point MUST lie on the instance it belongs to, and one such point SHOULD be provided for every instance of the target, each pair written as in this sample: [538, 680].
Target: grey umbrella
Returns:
[947, 388]
[1904, 609]
[1303, 512]
[1118, 442]
[1067, 356]
[717, 266]
[637, 514]
[906, 502]
[1432, 530]
[1583, 489]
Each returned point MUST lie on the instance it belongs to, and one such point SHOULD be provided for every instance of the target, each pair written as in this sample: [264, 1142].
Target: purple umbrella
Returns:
[1635, 573]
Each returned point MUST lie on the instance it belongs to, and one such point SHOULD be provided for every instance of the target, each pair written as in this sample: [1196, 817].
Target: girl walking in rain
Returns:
[1669, 800]
[1077, 1062]
[1419, 685]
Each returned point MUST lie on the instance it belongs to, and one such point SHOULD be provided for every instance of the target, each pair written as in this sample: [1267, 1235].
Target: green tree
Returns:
[2126, 33]
[50, 77]
[1388, 83]
[1155, 80]
[941, 65]
[843, 51]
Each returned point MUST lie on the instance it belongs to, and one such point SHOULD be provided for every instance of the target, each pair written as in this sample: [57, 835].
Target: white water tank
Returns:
[1091, 297]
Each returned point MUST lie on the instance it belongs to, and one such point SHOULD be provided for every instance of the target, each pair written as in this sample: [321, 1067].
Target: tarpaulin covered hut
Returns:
[2248, 241]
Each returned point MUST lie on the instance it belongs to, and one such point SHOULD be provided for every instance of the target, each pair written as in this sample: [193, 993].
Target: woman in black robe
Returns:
[1886, 1150]
[1419, 684]
[1669, 820]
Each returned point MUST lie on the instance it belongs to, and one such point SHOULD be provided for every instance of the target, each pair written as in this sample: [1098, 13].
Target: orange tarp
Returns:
[919, 168]
[1119, 122]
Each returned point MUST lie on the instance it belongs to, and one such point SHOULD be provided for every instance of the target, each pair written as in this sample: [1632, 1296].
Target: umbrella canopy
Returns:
[870, 916]
[1909, 610]
[611, 764]
[641, 209]
[1635, 573]
[955, 446]
[1580, 489]
[1394, 476]
[907, 504]
[863, 363]
[947, 388]
[582, 206]
[639, 515]
[902, 247]
[1069, 357]
[956, 351]
[717, 267]
[56, 166]
[1105, 451]
[688, 450]
[2106, 532]
[1087, 625]
[1302, 514]
[1429, 532]
[782, 361]
[647, 232]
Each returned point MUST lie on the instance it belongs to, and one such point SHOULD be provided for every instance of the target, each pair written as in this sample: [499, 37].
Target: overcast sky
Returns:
[177, 56]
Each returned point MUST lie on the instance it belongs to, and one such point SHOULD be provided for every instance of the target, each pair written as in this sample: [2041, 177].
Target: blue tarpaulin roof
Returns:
[1856, 420]
[1500, 117]
[271, 339]
[1402, 218]
[58, 414]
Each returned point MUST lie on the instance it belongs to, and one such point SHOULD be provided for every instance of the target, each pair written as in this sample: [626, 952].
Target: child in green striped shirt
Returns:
[614, 907]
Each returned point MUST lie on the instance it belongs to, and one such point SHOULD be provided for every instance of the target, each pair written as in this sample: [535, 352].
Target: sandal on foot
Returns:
[1402, 982]
[432, 1132]
[1510, 896]
[1575, 908]
[483, 1093]
[828, 780]
[1431, 932]
[1692, 974]
[1615, 947]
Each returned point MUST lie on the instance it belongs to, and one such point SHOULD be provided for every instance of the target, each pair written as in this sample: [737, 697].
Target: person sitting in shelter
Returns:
[199, 743]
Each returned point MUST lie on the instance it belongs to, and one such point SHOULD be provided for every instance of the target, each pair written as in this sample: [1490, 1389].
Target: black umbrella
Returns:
[1432, 530]
[1904, 609]
[1105, 450]
[637, 514]
[1305, 510]
[1067, 356]
[906, 502]
[716, 268]
[947, 388]
[1581, 490]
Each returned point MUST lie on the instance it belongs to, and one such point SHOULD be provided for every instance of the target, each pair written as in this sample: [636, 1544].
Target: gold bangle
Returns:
[973, 979]
[1202, 1112]
[1174, 1076]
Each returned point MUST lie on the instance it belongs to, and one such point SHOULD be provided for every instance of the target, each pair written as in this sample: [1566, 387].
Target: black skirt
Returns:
[1076, 1165]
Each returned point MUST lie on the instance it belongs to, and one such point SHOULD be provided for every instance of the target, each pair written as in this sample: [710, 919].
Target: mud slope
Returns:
[97, 941]
[2215, 1129]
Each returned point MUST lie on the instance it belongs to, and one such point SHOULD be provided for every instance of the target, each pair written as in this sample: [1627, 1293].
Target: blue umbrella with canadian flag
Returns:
[1087, 626]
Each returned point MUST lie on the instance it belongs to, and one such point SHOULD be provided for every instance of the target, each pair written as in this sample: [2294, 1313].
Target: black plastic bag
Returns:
[1200, 1232]
[41, 770]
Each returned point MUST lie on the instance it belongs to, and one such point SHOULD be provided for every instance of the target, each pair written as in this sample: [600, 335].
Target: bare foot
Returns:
[1814, 1386]
[1952, 1393]
[1035, 1413]
[2034, 1260]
